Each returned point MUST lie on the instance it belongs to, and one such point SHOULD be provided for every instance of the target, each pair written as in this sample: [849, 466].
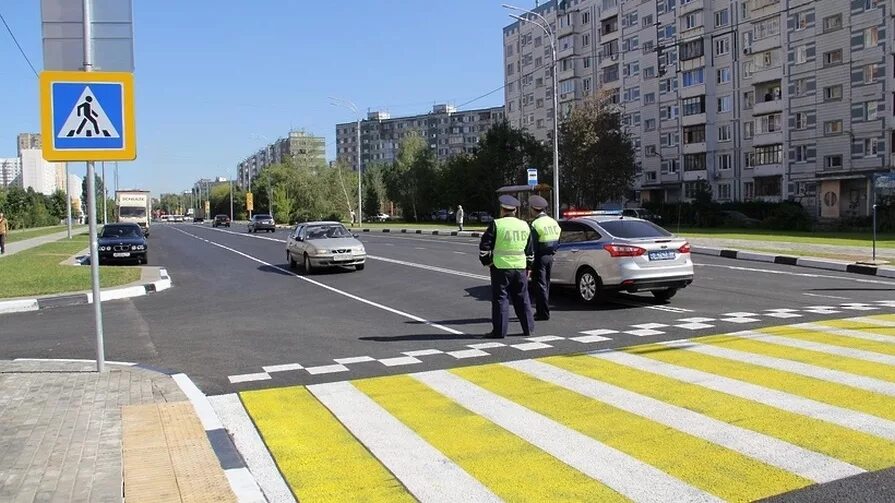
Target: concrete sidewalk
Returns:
[25, 244]
[68, 433]
[849, 253]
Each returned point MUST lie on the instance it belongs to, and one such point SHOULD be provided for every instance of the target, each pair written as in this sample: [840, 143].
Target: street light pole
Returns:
[231, 201]
[351, 106]
[545, 25]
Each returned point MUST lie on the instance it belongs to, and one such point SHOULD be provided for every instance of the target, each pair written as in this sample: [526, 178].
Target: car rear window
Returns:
[633, 229]
[262, 217]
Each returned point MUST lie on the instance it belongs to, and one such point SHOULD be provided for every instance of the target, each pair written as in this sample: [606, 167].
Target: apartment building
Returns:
[27, 141]
[10, 168]
[297, 144]
[448, 131]
[764, 99]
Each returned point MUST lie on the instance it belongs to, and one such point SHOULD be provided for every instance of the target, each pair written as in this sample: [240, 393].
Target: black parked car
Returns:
[122, 243]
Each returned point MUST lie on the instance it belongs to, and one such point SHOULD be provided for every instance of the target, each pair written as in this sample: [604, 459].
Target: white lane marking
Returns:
[400, 360]
[696, 320]
[630, 477]
[858, 306]
[258, 376]
[453, 241]
[354, 359]
[486, 345]
[327, 369]
[531, 346]
[587, 339]
[546, 338]
[335, 290]
[644, 332]
[824, 296]
[467, 353]
[854, 420]
[797, 274]
[419, 248]
[695, 326]
[460, 253]
[423, 352]
[422, 469]
[73, 360]
[784, 455]
[873, 321]
[650, 326]
[829, 349]
[430, 268]
[252, 449]
[845, 332]
[200, 402]
[793, 367]
[282, 368]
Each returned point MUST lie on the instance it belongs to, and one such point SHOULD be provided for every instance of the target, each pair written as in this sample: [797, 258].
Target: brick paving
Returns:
[61, 428]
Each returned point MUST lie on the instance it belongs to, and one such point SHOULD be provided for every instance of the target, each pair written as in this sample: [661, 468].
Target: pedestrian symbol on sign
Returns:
[88, 119]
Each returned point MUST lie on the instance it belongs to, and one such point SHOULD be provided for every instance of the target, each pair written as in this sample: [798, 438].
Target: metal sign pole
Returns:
[105, 195]
[91, 205]
[67, 201]
[874, 231]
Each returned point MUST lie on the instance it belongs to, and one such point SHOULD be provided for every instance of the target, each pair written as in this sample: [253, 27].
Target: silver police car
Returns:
[614, 253]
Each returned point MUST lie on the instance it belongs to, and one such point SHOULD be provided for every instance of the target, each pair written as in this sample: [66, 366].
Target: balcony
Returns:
[692, 176]
[692, 120]
[767, 107]
[769, 138]
[767, 74]
[768, 170]
[686, 8]
[761, 7]
[610, 8]
[694, 148]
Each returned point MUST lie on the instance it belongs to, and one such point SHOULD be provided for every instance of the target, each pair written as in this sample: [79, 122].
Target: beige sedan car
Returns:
[324, 244]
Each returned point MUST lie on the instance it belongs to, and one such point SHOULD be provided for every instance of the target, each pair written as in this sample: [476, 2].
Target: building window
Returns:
[749, 159]
[833, 127]
[694, 105]
[567, 86]
[694, 134]
[768, 154]
[748, 129]
[722, 46]
[748, 99]
[832, 23]
[801, 54]
[647, 20]
[694, 162]
[766, 28]
[801, 153]
[725, 103]
[669, 112]
[585, 40]
[833, 161]
[649, 125]
[801, 20]
[871, 147]
[871, 36]
[691, 49]
[649, 98]
[724, 191]
[632, 69]
[801, 120]
[769, 124]
[567, 42]
[610, 74]
[833, 93]
[833, 57]
[870, 110]
[585, 84]
[870, 73]
[800, 87]
[724, 133]
[768, 186]
[690, 189]
[669, 167]
[649, 72]
[748, 190]
[693, 77]
[724, 75]
[725, 162]
[722, 18]
[585, 17]
[748, 69]
[692, 21]
[651, 176]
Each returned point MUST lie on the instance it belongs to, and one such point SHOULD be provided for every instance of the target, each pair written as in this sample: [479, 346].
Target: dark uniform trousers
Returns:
[510, 285]
[542, 267]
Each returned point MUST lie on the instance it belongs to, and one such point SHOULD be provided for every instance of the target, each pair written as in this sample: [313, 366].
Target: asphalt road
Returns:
[236, 309]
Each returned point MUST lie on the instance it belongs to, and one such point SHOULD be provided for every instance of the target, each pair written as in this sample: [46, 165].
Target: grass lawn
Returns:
[411, 225]
[20, 234]
[884, 240]
[37, 271]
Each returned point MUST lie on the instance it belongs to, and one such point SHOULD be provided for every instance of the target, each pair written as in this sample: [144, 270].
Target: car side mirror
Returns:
[299, 238]
[355, 236]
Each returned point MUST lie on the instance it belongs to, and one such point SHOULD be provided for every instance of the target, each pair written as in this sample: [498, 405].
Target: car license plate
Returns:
[661, 255]
[121, 255]
[342, 257]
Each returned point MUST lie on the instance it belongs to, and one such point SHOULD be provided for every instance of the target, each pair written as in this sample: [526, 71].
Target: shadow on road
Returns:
[286, 270]
[426, 337]
[851, 289]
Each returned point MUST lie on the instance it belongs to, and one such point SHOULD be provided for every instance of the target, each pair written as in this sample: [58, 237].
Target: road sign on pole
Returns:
[250, 201]
[532, 176]
[88, 116]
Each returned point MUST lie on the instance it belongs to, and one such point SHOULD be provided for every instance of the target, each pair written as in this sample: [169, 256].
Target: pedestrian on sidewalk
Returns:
[4, 229]
[459, 216]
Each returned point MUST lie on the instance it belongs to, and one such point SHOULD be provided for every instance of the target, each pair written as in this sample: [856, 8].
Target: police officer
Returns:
[507, 248]
[545, 235]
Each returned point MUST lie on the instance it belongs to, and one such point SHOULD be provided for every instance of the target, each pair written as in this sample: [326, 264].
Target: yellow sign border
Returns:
[129, 135]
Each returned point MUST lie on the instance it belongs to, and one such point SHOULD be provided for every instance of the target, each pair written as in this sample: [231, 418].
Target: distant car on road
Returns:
[122, 242]
[643, 213]
[324, 244]
[480, 216]
[380, 217]
[262, 222]
[176, 218]
[606, 253]
[221, 221]
[731, 218]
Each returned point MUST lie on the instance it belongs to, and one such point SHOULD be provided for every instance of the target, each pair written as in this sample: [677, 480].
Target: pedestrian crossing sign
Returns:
[88, 116]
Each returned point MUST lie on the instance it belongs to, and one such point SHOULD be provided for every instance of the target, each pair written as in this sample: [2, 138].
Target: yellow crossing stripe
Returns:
[692, 460]
[864, 326]
[835, 339]
[319, 458]
[510, 467]
[860, 449]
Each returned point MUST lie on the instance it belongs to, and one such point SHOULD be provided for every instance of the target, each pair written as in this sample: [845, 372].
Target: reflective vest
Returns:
[509, 243]
[547, 229]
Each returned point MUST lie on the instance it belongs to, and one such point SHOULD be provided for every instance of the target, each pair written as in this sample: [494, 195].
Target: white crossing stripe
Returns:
[819, 347]
[794, 367]
[789, 457]
[260, 376]
[282, 368]
[486, 345]
[423, 352]
[400, 360]
[791, 403]
[874, 321]
[467, 353]
[327, 369]
[354, 359]
[530, 346]
[856, 334]
[424, 471]
[630, 477]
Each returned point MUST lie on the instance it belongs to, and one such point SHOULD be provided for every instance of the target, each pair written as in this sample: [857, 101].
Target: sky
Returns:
[217, 80]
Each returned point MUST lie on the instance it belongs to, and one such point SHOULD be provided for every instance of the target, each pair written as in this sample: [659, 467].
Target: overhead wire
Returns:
[16, 41]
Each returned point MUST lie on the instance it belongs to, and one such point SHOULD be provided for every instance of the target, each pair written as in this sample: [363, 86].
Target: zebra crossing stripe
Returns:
[859, 421]
[880, 322]
[508, 465]
[629, 476]
[425, 471]
[804, 369]
[847, 332]
[783, 455]
[857, 354]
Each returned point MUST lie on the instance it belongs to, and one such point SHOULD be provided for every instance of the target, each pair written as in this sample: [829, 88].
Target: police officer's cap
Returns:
[537, 202]
[509, 202]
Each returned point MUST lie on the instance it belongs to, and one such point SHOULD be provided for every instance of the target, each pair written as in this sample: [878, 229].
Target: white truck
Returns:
[134, 206]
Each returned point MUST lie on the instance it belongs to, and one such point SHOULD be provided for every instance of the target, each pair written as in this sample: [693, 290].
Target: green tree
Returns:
[57, 205]
[374, 190]
[596, 154]
[411, 181]
[502, 158]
